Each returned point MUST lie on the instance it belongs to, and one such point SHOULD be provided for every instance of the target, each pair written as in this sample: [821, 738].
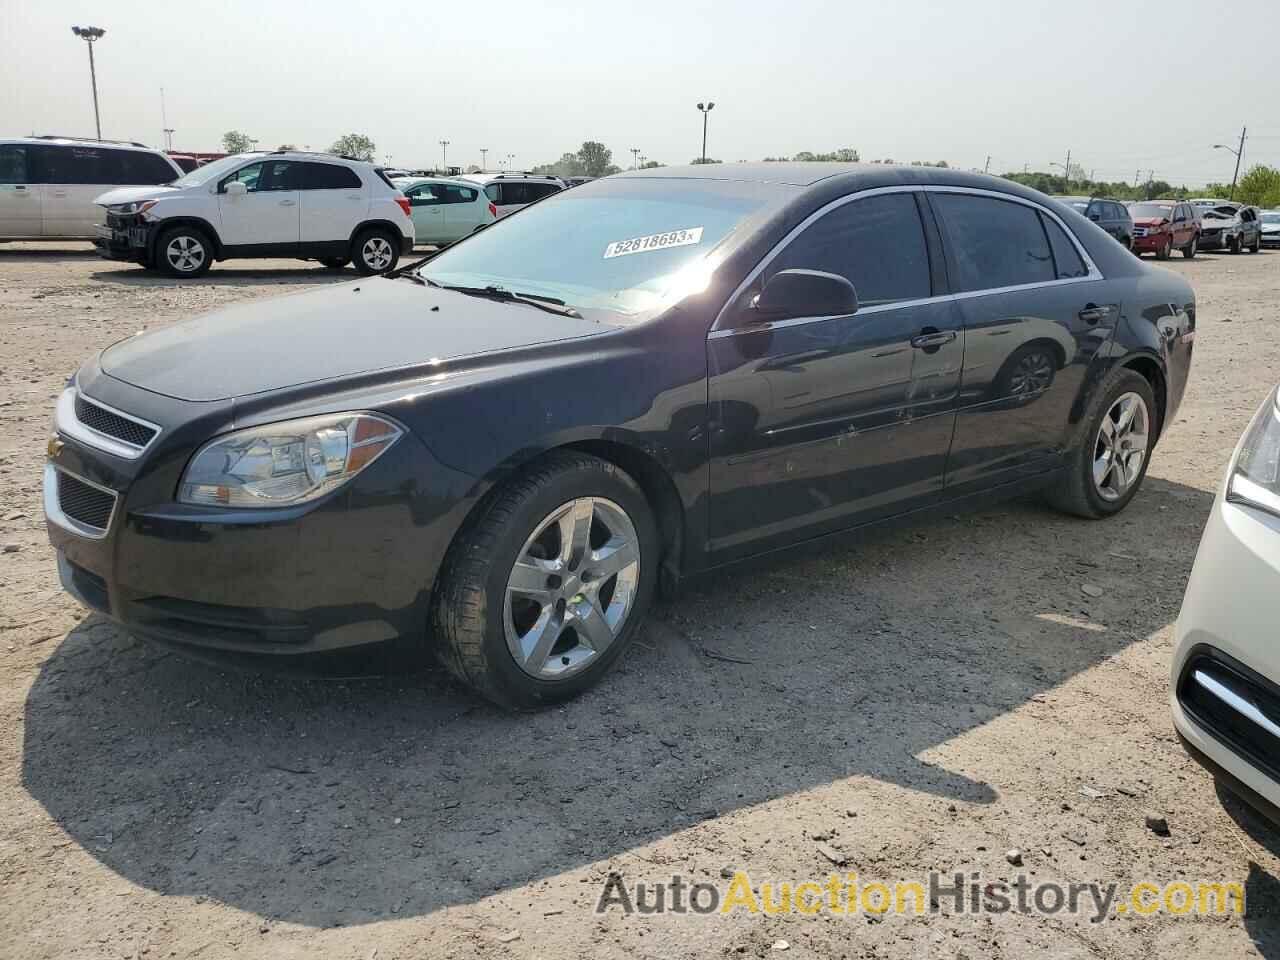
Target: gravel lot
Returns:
[927, 699]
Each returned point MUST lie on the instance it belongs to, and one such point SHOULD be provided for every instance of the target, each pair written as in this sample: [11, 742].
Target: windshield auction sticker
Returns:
[655, 241]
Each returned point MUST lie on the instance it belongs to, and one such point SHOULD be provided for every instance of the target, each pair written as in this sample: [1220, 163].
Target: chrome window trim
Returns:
[67, 422]
[717, 331]
[53, 510]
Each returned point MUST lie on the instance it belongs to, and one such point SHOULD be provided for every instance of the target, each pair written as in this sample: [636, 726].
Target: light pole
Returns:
[89, 35]
[510, 160]
[484, 164]
[168, 136]
[635, 158]
[705, 108]
[1234, 176]
[444, 155]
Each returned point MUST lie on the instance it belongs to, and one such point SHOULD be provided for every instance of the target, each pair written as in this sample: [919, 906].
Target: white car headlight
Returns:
[285, 464]
[1255, 475]
[138, 206]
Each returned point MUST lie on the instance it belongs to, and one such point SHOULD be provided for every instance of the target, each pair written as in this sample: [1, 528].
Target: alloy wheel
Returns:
[1033, 373]
[571, 588]
[1121, 447]
[185, 253]
[376, 253]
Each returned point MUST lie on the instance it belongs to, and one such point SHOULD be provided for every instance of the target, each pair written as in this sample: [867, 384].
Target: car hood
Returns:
[1219, 222]
[131, 194]
[335, 332]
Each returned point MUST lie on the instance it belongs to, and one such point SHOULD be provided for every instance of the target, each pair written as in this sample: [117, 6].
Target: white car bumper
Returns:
[1225, 681]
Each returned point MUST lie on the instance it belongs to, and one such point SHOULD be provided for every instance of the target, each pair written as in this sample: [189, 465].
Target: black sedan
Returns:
[501, 454]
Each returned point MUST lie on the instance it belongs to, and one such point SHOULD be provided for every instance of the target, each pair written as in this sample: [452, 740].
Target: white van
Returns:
[48, 184]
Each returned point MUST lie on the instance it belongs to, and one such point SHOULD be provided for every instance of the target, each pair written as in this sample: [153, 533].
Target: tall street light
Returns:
[444, 155]
[705, 108]
[635, 158]
[1234, 176]
[484, 153]
[89, 35]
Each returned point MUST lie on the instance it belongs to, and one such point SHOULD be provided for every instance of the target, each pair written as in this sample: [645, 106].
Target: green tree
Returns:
[354, 145]
[1260, 186]
[651, 165]
[596, 159]
[700, 160]
[233, 141]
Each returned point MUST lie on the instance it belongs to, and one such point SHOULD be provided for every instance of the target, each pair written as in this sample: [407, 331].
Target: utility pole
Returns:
[1066, 174]
[444, 155]
[987, 167]
[164, 121]
[705, 108]
[1137, 177]
[89, 35]
[1234, 176]
[484, 154]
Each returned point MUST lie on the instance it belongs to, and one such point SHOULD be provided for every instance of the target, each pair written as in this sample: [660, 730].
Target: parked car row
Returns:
[1188, 226]
[447, 209]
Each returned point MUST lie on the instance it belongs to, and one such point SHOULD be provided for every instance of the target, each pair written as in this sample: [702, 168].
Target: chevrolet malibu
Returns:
[501, 454]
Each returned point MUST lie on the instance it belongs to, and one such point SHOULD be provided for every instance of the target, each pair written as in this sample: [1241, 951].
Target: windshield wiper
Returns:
[502, 295]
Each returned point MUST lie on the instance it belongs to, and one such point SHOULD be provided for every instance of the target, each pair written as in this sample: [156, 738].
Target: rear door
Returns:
[332, 201]
[427, 209]
[21, 196]
[267, 215]
[462, 207]
[74, 176]
[1035, 313]
[824, 422]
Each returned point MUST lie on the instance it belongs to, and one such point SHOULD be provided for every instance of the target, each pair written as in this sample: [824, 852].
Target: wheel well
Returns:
[659, 490]
[369, 224]
[1151, 371]
[205, 226]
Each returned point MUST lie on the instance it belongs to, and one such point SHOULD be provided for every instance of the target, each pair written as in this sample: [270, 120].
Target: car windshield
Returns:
[212, 171]
[1152, 210]
[624, 245]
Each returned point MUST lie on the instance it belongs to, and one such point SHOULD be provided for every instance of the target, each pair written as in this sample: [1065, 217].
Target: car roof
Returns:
[410, 181]
[491, 177]
[82, 142]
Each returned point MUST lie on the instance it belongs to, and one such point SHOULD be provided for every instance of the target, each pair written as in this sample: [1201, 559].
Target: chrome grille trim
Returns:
[71, 425]
[53, 508]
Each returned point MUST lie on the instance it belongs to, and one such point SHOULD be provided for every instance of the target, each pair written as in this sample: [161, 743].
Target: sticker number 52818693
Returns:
[655, 241]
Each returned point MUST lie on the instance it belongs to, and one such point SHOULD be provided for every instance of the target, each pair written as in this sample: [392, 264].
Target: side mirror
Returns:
[805, 293]
[236, 188]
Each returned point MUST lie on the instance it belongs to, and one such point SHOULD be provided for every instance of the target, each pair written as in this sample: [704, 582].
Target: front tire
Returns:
[1189, 251]
[1236, 245]
[1256, 246]
[184, 252]
[1105, 469]
[544, 589]
[375, 251]
[1165, 249]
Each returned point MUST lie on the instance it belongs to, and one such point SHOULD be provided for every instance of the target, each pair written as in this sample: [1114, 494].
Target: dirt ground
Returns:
[925, 700]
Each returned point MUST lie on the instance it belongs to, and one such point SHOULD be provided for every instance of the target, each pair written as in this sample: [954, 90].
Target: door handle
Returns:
[288, 203]
[59, 193]
[1092, 313]
[932, 338]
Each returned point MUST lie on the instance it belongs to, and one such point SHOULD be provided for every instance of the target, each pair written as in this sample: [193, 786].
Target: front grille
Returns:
[112, 424]
[1139, 231]
[84, 503]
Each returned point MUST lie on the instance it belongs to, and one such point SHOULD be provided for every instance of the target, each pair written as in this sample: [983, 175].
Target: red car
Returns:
[1161, 226]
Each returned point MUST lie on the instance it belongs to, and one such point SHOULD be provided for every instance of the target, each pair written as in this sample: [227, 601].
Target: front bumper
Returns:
[1217, 239]
[123, 238]
[1225, 679]
[345, 571]
[1151, 242]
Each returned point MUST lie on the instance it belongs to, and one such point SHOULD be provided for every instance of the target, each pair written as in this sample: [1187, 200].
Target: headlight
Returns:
[284, 464]
[1255, 475]
[138, 206]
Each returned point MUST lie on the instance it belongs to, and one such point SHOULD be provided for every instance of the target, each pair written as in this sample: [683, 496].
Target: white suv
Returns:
[48, 184]
[282, 204]
[512, 191]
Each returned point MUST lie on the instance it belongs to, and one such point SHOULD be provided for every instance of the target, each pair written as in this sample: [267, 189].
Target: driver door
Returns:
[266, 217]
[821, 423]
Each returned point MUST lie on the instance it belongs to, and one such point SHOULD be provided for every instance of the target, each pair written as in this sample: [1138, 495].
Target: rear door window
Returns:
[451, 193]
[513, 193]
[993, 243]
[423, 195]
[13, 164]
[328, 176]
[77, 164]
[876, 243]
[539, 190]
[146, 168]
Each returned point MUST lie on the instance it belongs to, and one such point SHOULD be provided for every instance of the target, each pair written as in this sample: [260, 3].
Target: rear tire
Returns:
[483, 625]
[1089, 486]
[1235, 246]
[184, 252]
[1189, 251]
[1256, 246]
[374, 251]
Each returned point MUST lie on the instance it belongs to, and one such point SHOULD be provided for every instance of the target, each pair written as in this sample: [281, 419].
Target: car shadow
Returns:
[349, 802]
[52, 254]
[1262, 888]
[304, 273]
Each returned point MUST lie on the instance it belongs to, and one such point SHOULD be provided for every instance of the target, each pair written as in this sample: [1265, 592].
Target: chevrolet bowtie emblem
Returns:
[55, 448]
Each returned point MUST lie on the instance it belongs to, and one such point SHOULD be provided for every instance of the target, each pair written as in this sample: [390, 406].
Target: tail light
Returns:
[493, 209]
[404, 204]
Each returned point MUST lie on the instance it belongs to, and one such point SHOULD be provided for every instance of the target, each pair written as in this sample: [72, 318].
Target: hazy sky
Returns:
[1123, 84]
